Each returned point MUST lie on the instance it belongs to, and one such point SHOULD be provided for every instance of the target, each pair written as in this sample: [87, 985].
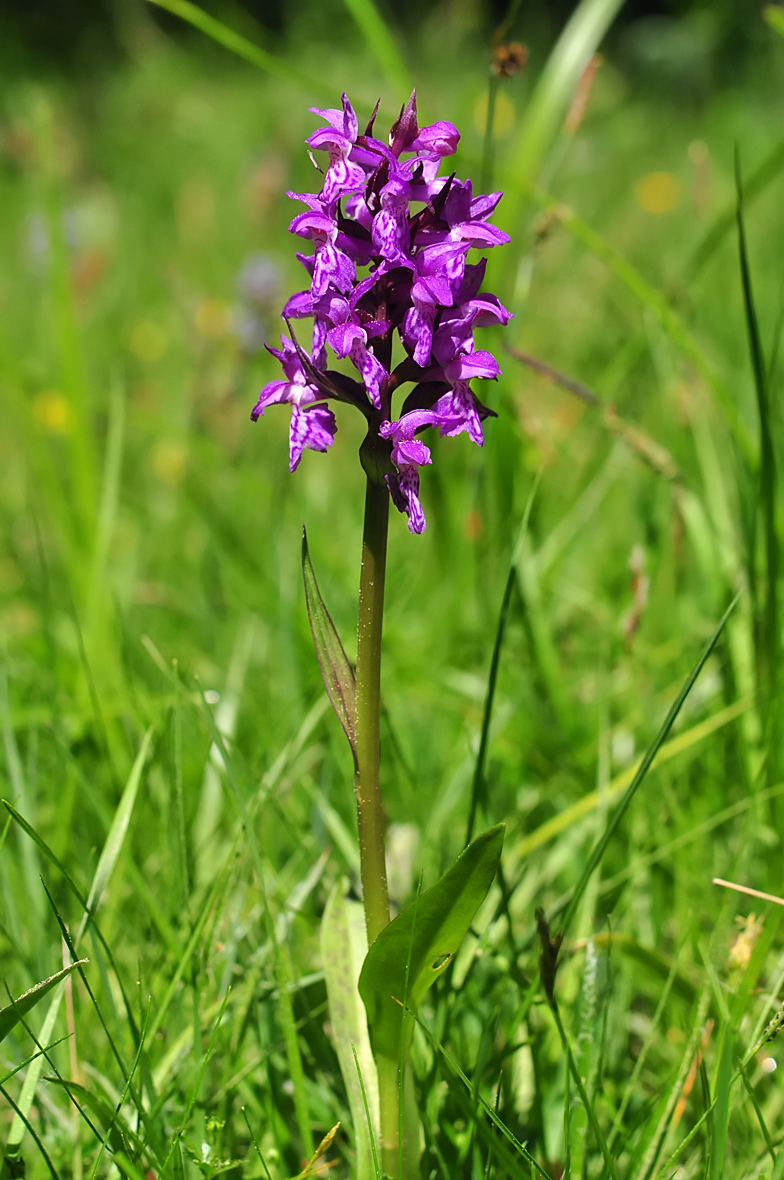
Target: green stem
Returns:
[366, 779]
[399, 1125]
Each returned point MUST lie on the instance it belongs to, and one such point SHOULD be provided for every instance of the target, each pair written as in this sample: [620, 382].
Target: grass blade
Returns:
[103, 872]
[477, 787]
[553, 94]
[692, 1047]
[588, 802]
[757, 1110]
[640, 1062]
[283, 969]
[382, 45]
[758, 181]
[598, 852]
[117, 833]
[13, 1012]
[657, 304]
[609, 1162]
[236, 43]
[770, 646]
[22, 1116]
[510, 1137]
[721, 1102]
[371, 1134]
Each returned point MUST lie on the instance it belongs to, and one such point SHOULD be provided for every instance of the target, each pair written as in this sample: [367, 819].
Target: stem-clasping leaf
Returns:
[336, 671]
[425, 936]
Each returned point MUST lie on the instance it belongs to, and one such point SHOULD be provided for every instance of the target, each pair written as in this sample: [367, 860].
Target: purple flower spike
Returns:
[390, 246]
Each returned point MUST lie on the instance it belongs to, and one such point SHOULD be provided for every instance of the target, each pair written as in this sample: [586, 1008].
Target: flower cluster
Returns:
[412, 229]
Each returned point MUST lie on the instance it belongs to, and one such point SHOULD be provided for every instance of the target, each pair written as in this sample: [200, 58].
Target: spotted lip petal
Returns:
[312, 429]
[418, 283]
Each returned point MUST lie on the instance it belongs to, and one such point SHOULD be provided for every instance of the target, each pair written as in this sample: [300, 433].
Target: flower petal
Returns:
[404, 489]
[313, 429]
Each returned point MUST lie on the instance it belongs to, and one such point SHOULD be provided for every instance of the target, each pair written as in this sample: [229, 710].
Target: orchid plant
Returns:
[391, 238]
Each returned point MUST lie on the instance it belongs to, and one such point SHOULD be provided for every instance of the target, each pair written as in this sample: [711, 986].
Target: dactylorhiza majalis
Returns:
[378, 268]
[390, 243]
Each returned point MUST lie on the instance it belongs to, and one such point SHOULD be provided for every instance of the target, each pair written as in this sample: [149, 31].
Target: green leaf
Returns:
[767, 461]
[657, 303]
[443, 915]
[343, 949]
[601, 847]
[117, 833]
[13, 1013]
[336, 671]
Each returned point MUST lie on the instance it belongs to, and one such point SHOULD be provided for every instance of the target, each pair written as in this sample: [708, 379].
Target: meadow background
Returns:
[150, 535]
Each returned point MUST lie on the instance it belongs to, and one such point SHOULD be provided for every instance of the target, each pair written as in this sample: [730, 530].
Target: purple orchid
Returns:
[378, 267]
[312, 426]
[408, 455]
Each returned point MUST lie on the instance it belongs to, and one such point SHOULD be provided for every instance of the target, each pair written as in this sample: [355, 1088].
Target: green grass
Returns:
[150, 580]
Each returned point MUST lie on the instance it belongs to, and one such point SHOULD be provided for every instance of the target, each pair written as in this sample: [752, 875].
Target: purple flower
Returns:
[331, 267]
[459, 406]
[312, 426]
[391, 240]
[408, 455]
[338, 139]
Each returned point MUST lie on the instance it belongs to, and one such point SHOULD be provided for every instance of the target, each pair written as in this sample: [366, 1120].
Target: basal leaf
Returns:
[439, 920]
[343, 949]
[336, 671]
[13, 1013]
